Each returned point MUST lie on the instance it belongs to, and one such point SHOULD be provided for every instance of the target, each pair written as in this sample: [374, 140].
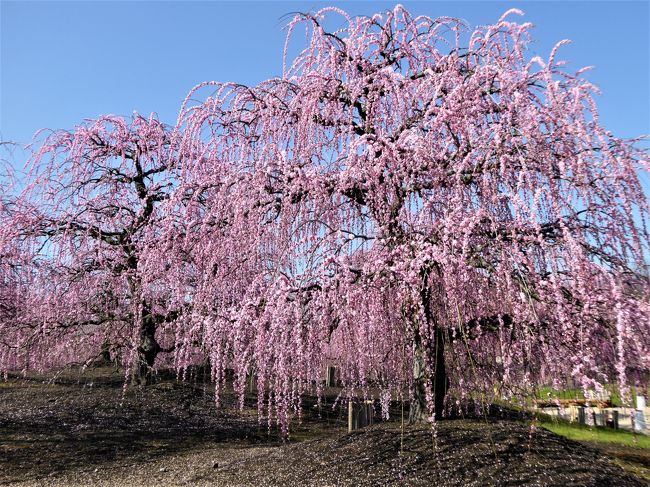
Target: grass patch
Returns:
[596, 434]
[569, 393]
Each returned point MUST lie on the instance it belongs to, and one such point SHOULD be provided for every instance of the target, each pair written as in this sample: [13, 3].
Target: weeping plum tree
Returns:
[441, 216]
[428, 207]
[89, 210]
[17, 280]
[9, 256]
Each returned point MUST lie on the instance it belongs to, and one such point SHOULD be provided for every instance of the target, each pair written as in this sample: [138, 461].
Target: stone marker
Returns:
[330, 376]
[360, 414]
[581, 416]
[639, 417]
[252, 382]
[612, 419]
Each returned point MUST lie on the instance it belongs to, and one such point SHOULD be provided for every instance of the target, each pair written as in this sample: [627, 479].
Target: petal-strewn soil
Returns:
[84, 431]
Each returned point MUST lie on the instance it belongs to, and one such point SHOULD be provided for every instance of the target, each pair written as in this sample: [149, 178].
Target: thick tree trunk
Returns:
[104, 358]
[418, 405]
[147, 349]
[428, 362]
[105, 354]
[435, 355]
[440, 379]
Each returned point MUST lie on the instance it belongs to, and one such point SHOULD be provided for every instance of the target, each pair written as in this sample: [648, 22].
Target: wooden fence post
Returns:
[350, 416]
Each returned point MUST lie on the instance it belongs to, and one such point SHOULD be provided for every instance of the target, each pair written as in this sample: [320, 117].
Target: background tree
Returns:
[9, 259]
[90, 209]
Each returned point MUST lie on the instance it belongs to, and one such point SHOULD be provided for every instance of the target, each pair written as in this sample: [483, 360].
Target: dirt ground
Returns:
[80, 430]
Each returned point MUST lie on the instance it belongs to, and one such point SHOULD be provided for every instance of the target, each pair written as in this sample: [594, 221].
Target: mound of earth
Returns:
[462, 453]
[73, 434]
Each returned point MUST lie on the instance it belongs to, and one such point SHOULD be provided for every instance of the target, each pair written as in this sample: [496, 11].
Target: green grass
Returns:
[545, 392]
[595, 434]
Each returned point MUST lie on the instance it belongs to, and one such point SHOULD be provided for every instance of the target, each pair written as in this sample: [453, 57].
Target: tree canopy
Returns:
[423, 206]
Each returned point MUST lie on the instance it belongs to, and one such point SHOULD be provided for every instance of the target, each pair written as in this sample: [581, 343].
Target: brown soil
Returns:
[81, 430]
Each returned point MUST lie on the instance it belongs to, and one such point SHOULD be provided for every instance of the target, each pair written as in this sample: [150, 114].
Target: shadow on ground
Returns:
[82, 430]
[82, 424]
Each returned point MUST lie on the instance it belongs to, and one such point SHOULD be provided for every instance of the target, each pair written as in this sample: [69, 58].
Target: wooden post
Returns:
[350, 416]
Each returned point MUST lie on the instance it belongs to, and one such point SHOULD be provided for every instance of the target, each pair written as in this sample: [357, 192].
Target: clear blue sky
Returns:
[62, 62]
